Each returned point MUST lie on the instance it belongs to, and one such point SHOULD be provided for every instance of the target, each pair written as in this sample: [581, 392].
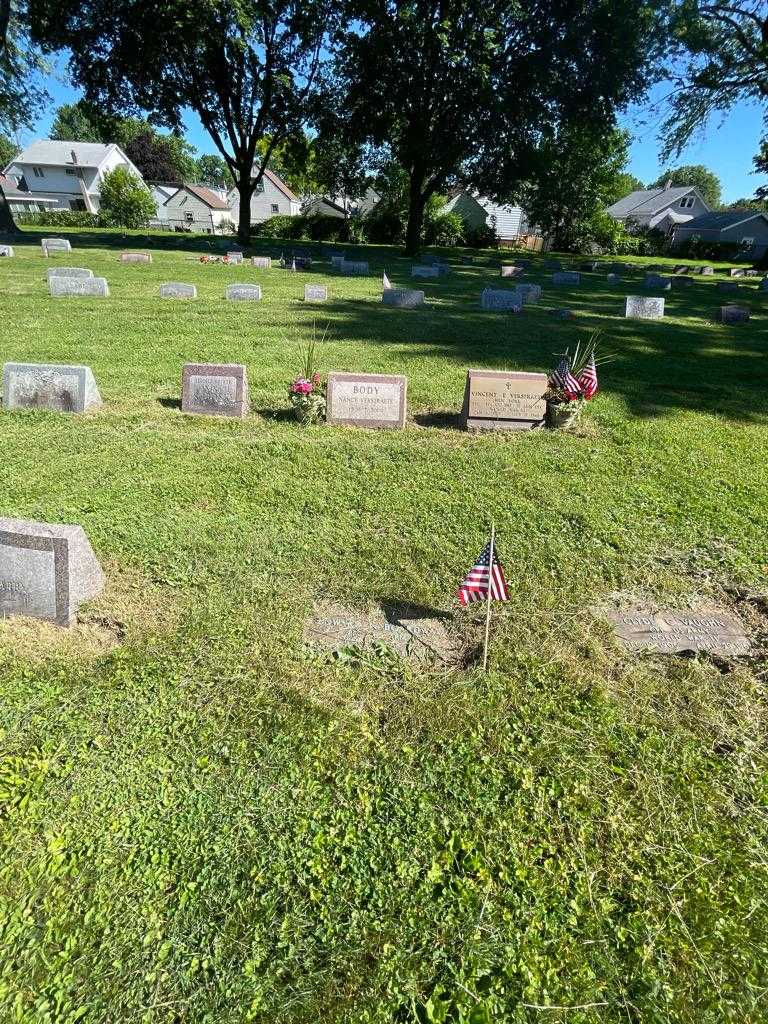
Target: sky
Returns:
[726, 147]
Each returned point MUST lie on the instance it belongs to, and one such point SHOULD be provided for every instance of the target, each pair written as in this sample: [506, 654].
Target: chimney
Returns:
[668, 184]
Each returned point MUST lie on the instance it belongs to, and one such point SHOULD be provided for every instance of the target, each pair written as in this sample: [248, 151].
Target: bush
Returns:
[697, 249]
[316, 227]
[385, 226]
[59, 219]
[126, 202]
[481, 236]
[444, 229]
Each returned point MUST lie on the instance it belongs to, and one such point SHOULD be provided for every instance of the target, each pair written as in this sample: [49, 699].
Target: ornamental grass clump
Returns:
[307, 391]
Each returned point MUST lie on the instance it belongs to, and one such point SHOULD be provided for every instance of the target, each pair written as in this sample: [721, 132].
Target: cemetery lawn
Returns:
[202, 823]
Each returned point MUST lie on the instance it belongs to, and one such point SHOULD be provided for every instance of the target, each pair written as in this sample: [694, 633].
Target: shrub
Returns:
[384, 226]
[481, 236]
[444, 229]
[126, 202]
[59, 219]
[282, 226]
[697, 248]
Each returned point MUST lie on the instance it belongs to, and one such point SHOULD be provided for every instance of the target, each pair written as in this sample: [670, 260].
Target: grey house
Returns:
[746, 229]
[661, 208]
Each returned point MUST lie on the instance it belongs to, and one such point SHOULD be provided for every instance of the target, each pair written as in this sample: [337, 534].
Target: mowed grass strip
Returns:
[202, 823]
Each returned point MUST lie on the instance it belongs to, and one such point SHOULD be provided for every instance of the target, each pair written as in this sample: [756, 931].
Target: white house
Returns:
[161, 193]
[22, 201]
[67, 175]
[510, 222]
[197, 208]
[271, 198]
[661, 208]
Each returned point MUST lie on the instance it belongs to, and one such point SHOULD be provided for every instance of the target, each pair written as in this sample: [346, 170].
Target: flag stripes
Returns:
[475, 585]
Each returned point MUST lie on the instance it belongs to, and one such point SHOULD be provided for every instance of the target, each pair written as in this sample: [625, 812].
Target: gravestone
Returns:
[135, 257]
[51, 245]
[338, 261]
[553, 265]
[49, 386]
[424, 271]
[176, 290]
[6, 250]
[638, 307]
[682, 268]
[657, 283]
[672, 631]
[529, 292]
[501, 400]
[764, 285]
[357, 268]
[511, 271]
[737, 272]
[707, 271]
[403, 298]
[68, 272]
[566, 277]
[682, 281]
[752, 273]
[734, 314]
[728, 286]
[367, 400]
[614, 279]
[243, 293]
[215, 389]
[94, 287]
[47, 570]
[315, 293]
[505, 301]
[235, 257]
[263, 262]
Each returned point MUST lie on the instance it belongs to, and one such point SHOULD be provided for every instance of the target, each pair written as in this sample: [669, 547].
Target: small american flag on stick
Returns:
[385, 282]
[564, 379]
[588, 378]
[475, 586]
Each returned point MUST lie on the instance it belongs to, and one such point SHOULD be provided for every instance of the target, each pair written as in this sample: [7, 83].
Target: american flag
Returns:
[588, 378]
[475, 586]
[385, 282]
[564, 379]
[293, 263]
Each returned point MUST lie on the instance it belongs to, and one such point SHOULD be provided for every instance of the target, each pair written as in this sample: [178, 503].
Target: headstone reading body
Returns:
[6, 250]
[243, 292]
[367, 400]
[734, 314]
[315, 293]
[671, 631]
[499, 400]
[47, 570]
[55, 245]
[68, 272]
[403, 298]
[263, 262]
[638, 307]
[428, 270]
[566, 277]
[510, 271]
[49, 386]
[657, 283]
[354, 269]
[215, 389]
[499, 300]
[94, 287]
[135, 257]
[176, 290]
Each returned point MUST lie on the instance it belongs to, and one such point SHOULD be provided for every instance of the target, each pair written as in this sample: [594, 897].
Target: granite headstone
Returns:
[262, 262]
[403, 298]
[501, 400]
[367, 400]
[93, 287]
[734, 314]
[315, 293]
[177, 290]
[639, 307]
[49, 386]
[243, 292]
[215, 389]
[672, 631]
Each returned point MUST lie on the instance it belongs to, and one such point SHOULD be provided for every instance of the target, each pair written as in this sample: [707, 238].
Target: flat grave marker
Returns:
[500, 400]
[243, 292]
[135, 257]
[315, 293]
[403, 298]
[672, 631]
[61, 388]
[68, 272]
[374, 400]
[215, 389]
[47, 570]
[262, 262]
[734, 314]
[89, 287]
[177, 290]
[640, 307]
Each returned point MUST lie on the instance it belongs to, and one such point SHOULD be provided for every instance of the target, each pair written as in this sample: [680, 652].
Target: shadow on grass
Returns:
[276, 415]
[170, 403]
[438, 420]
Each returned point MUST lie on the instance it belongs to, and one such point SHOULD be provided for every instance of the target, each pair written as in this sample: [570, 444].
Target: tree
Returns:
[212, 170]
[623, 184]
[76, 122]
[248, 68]
[461, 91]
[126, 202]
[722, 51]
[706, 181]
[161, 157]
[8, 150]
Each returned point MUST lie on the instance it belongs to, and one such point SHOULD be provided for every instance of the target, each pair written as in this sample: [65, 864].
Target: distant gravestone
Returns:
[403, 298]
[424, 271]
[553, 265]
[671, 631]
[734, 314]
[6, 250]
[751, 272]
[367, 400]
[338, 261]
[176, 290]
[639, 307]
[499, 400]
[657, 283]
[682, 281]
[53, 245]
[504, 301]
[49, 386]
[243, 293]
[135, 257]
[529, 292]
[68, 272]
[566, 277]
[315, 293]
[764, 285]
[707, 271]
[357, 268]
[235, 257]
[682, 268]
[728, 286]
[614, 279]
[737, 272]
[262, 262]
[215, 389]
[93, 287]
[47, 570]
[511, 271]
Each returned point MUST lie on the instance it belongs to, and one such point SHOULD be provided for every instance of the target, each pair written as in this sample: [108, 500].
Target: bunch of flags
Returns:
[583, 385]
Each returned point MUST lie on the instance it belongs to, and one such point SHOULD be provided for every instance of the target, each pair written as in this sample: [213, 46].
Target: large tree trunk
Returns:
[415, 214]
[7, 223]
[245, 191]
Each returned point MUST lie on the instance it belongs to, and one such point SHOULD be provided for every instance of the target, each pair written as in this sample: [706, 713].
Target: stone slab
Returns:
[215, 389]
[135, 257]
[68, 272]
[512, 271]
[235, 256]
[6, 250]
[353, 268]
[566, 277]
[60, 388]
[657, 283]
[50, 245]
[47, 570]
[262, 262]
[737, 272]
[373, 400]
[93, 287]
[177, 290]
[315, 293]
[640, 307]
[672, 631]
[501, 400]
[707, 271]
[403, 298]
[734, 314]
[501, 300]
[425, 271]
[243, 293]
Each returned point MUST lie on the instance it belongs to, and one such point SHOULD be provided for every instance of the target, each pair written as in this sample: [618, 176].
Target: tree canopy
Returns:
[706, 181]
[126, 202]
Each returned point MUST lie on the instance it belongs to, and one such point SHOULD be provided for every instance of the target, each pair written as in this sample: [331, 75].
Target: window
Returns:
[747, 243]
[77, 204]
[189, 216]
[275, 208]
[687, 202]
[74, 172]
[38, 172]
[260, 186]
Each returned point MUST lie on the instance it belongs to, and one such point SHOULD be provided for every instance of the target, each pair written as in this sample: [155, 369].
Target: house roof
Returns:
[648, 201]
[204, 194]
[13, 193]
[280, 184]
[725, 219]
[52, 153]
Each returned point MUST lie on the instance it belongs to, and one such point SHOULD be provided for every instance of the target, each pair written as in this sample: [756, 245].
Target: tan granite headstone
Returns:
[374, 400]
[501, 400]
[671, 631]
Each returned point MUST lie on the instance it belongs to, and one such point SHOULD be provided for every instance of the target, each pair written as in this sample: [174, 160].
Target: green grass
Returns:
[201, 824]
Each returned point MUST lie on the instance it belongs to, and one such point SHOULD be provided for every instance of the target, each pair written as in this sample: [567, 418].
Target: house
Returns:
[67, 175]
[510, 222]
[660, 208]
[21, 200]
[197, 208]
[161, 193]
[745, 230]
[341, 205]
[271, 198]
[321, 206]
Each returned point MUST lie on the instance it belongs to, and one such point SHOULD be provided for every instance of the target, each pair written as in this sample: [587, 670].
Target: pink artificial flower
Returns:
[301, 386]
[316, 378]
